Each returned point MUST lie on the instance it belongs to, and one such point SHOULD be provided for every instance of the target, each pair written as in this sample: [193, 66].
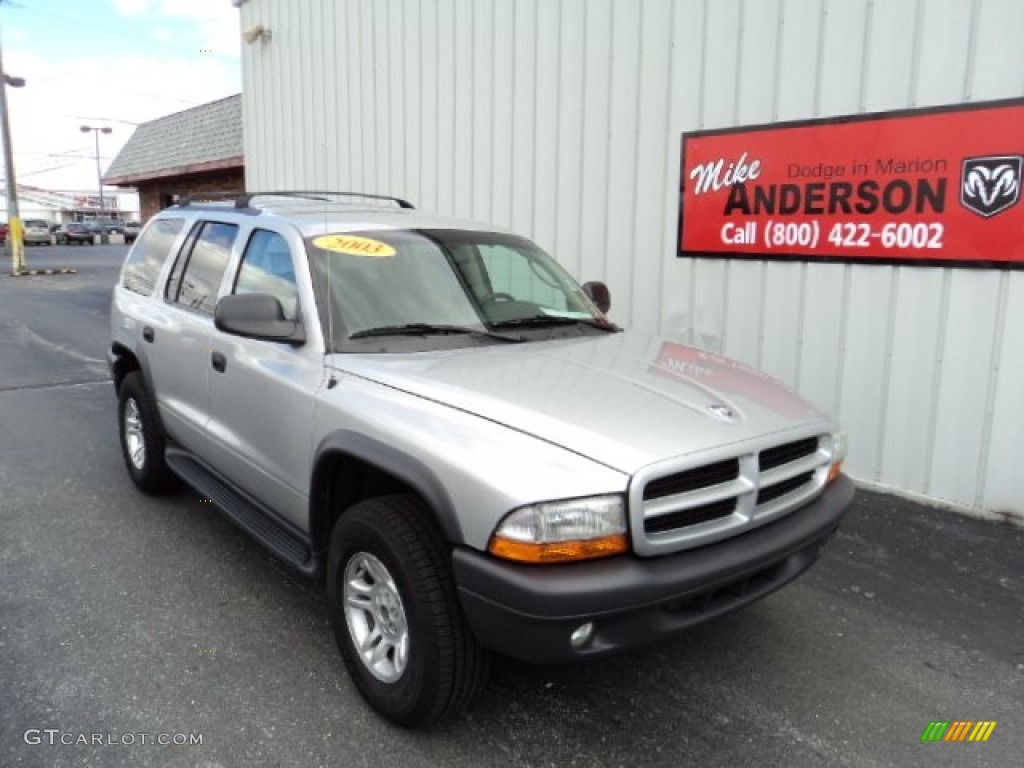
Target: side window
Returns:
[174, 279]
[149, 254]
[205, 268]
[267, 267]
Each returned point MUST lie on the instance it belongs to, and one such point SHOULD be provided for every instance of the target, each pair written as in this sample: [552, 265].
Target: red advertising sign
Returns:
[935, 186]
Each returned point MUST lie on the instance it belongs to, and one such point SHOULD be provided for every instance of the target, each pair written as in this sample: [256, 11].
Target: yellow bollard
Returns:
[16, 234]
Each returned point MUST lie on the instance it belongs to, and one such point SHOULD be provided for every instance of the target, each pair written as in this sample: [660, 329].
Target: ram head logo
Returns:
[990, 185]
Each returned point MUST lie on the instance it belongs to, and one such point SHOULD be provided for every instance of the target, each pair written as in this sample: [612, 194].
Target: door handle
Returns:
[148, 334]
[218, 361]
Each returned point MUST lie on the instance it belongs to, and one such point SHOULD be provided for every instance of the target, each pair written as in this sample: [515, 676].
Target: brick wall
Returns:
[158, 194]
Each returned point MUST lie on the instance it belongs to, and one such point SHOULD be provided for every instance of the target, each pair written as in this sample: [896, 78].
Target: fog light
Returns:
[582, 634]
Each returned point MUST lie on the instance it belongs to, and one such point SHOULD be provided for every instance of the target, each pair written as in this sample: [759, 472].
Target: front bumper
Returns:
[529, 612]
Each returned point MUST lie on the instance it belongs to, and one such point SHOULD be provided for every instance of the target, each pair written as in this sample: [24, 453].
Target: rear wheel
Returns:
[396, 615]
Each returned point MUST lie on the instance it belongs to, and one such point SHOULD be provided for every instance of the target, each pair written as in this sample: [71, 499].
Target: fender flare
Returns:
[392, 461]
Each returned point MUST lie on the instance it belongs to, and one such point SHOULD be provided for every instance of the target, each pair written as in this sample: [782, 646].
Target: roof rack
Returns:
[244, 200]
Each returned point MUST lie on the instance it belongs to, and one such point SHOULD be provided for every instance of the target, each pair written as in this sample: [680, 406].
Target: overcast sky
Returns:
[107, 63]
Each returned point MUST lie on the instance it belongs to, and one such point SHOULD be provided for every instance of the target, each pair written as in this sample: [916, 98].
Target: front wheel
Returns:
[142, 436]
[396, 615]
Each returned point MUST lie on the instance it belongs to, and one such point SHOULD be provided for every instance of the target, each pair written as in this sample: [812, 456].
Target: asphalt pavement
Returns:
[126, 619]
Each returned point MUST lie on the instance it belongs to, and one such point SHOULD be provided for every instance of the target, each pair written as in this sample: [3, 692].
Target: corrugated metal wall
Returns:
[562, 119]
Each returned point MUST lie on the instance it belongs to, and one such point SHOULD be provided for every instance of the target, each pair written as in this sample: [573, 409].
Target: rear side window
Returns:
[149, 254]
[267, 267]
[204, 270]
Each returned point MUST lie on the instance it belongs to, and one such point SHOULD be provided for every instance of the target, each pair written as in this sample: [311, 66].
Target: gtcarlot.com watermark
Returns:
[55, 736]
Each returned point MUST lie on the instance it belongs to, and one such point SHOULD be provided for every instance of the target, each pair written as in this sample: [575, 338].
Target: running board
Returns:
[247, 513]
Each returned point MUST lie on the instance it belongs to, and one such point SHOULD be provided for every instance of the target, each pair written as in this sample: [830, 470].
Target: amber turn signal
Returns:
[558, 552]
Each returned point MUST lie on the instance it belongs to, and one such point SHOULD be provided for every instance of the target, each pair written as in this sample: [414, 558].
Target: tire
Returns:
[142, 437]
[388, 575]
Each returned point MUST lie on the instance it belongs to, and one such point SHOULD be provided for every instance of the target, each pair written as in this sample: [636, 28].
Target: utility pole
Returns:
[15, 238]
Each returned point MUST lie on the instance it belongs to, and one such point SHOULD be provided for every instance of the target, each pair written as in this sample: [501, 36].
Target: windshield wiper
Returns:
[430, 329]
[548, 321]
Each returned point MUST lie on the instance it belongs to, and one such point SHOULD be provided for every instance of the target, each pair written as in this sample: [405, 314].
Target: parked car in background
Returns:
[37, 232]
[109, 226]
[78, 232]
[131, 231]
[3, 233]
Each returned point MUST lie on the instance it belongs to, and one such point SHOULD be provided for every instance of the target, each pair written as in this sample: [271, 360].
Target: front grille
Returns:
[784, 454]
[692, 479]
[681, 507]
[691, 516]
[773, 492]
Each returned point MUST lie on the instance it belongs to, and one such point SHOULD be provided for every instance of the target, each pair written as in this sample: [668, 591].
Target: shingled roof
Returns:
[203, 138]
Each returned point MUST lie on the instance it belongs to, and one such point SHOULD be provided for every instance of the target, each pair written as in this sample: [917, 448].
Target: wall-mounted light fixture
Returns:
[257, 32]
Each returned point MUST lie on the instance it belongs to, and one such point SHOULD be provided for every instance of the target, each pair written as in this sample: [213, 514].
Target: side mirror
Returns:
[599, 294]
[256, 316]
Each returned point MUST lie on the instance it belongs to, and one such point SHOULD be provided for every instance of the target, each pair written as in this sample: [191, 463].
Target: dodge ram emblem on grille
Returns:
[722, 412]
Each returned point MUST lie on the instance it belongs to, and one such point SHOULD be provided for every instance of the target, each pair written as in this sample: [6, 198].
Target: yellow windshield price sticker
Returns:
[354, 246]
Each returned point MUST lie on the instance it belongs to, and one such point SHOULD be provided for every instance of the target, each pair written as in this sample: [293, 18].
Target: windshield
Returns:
[438, 284]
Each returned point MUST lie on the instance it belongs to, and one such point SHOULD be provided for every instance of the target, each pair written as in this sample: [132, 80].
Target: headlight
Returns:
[561, 531]
[838, 454]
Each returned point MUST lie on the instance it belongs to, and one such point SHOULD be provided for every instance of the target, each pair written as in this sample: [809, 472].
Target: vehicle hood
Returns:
[625, 400]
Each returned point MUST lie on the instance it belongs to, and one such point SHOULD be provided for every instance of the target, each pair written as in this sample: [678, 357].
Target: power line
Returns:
[22, 174]
[115, 90]
[71, 153]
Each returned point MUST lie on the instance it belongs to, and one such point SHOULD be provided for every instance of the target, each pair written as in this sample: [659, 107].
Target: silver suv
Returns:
[438, 420]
